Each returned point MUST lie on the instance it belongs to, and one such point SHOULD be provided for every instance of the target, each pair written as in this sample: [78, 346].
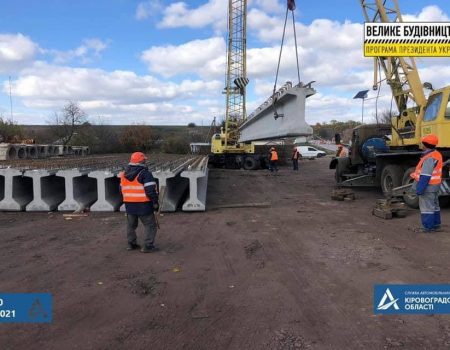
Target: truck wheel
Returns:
[391, 177]
[250, 163]
[410, 198]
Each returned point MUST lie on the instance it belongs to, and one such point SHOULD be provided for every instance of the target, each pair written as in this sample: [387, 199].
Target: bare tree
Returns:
[384, 117]
[68, 121]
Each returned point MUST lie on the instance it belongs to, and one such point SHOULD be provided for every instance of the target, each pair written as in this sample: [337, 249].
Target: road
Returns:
[297, 274]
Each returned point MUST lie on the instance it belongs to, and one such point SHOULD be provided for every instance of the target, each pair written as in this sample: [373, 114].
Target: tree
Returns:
[384, 117]
[136, 137]
[68, 121]
[10, 131]
[191, 125]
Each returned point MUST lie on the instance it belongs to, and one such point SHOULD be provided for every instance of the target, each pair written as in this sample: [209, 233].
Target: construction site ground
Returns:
[296, 274]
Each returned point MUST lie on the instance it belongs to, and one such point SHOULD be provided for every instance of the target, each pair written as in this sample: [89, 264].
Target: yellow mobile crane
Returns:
[225, 148]
[385, 155]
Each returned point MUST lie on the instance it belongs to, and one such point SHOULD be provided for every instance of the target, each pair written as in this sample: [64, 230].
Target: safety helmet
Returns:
[138, 157]
[340, 146]
[430, 139]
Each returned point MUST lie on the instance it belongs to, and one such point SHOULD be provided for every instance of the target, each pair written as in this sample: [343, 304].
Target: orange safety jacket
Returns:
[343, 153]
[274, 155]
[436, 176]
[133, 191]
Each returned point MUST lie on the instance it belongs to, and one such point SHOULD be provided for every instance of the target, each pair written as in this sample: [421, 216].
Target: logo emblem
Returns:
[385, 304]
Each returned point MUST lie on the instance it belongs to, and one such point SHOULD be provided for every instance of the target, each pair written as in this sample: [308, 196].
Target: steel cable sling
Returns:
[290, 7]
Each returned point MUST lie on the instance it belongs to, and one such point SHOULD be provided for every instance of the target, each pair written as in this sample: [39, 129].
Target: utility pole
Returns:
[10, 100]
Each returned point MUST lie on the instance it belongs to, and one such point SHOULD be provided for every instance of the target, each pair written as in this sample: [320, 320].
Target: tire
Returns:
[411, 199]
[391, 177]
[251, 163]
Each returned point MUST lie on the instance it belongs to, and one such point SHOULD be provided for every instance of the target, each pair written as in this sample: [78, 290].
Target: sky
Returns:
[162, 62]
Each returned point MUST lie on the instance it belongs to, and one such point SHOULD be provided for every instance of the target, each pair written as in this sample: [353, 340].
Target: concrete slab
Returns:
[7, 151]
[2, 187]
[81, 190]
[172, 187]
[18, 190]
[109, 197]
[198, 185]
[48, 190]
[287, 119]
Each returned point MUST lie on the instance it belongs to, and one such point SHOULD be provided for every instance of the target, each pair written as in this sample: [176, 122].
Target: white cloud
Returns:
[148, 9]
[16, 52]
[428, 14]
[89, 50]
[118, 93]
[205, 58]
[179, 15]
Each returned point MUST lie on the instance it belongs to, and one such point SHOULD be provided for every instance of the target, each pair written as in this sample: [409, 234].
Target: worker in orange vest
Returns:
[427, 181]
[140, 195]
[273, 159]
[341, 151]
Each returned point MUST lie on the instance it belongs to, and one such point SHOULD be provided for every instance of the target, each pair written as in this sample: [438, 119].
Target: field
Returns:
[295, 271]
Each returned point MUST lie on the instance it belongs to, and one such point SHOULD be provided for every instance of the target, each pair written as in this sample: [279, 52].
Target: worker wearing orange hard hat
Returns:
[140, 195]
[273, 159]
[427, 181]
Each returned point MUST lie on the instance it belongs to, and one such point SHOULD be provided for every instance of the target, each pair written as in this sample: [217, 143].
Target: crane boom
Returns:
[236, 78]
[401, 72]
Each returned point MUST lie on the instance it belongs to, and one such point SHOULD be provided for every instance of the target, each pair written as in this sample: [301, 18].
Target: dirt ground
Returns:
[298, 274]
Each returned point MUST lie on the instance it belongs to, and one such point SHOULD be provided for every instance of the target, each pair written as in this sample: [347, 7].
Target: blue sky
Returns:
[162, 62]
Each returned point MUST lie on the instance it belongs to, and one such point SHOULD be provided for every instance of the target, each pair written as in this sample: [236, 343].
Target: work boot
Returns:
[421, 230]
[133, 246]
[149, 249]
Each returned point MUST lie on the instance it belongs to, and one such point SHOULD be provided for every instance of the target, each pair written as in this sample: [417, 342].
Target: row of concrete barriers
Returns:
[98, 190]
[12, 151]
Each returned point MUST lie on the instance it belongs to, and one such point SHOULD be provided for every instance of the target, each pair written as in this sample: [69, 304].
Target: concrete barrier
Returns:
[48, 190]
[7, 152]
[198, 185]
[21, 152]
[32, 151]
[18, 190]
[81, 190]
[109, 197]
[2, 187]
[172, 186]
[99, 190]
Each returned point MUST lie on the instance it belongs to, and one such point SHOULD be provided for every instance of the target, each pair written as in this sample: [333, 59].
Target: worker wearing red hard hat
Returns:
[428, 179]
[140, 195]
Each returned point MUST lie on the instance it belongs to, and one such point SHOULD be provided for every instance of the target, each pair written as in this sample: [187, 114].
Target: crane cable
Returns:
[290, 7]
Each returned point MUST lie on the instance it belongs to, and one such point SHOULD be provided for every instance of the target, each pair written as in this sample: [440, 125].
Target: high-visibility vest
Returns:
[274, 155]
[343, 153]
[132, 191]
[436, 175]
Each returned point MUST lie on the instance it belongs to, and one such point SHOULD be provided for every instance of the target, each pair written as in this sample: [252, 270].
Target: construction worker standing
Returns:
[273, 160]
[428, 178]
[140, 195]
[295, 157]
[341, 151]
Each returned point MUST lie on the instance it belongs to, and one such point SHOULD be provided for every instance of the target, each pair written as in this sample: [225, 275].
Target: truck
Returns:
[384, 155]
